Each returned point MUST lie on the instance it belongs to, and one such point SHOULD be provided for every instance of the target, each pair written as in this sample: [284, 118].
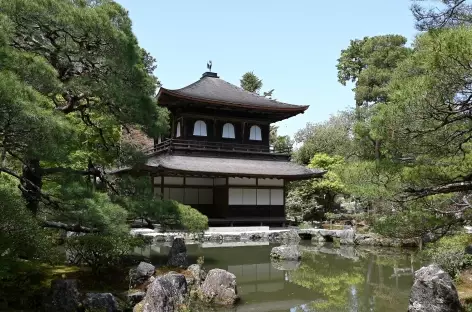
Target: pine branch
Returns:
[69, 227]
[454, 187]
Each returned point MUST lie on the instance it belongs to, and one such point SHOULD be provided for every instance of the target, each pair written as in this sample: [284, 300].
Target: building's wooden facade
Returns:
[218, 158]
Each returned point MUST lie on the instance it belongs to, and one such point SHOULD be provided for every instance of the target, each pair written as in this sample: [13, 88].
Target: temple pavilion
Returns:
[218, 158]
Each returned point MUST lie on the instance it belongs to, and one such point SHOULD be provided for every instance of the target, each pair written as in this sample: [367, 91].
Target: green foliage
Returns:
[100, 251]
[332, 137]
[410, 223]
[251, 82]
[449, 253]
[312, 198]
[141, 202]
[370, 63]
[20, 233]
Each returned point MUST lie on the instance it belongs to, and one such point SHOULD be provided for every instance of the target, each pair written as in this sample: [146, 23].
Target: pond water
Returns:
[327, 279]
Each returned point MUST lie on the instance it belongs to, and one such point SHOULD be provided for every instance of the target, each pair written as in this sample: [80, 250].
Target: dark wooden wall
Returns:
[215, 131]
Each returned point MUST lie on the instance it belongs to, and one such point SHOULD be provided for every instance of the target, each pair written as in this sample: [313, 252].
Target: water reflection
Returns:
[327, 279]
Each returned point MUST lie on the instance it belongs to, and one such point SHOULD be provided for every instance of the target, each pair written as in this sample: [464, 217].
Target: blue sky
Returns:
[293, 46]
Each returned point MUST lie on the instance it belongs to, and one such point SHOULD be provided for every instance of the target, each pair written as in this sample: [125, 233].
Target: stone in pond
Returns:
[166, 294]
[219, 288]
[198, 274]
[347, 237]
[286, 253]
[433, 291]
[177, 256]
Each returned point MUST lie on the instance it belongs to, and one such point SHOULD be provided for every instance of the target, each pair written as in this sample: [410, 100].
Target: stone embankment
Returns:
[344, 237]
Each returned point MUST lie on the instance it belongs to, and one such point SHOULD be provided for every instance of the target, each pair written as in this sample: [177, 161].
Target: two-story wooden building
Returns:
[218, 158]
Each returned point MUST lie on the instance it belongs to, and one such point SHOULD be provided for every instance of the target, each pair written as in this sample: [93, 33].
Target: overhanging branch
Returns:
[441, 189]
[69, 227]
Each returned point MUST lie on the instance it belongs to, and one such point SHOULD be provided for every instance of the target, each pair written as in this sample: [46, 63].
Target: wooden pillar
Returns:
[184, 129]
[214, 135]
[243, 139]
[162, 187]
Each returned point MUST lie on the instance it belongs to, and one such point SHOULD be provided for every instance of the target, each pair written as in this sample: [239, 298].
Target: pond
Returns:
[328, 278]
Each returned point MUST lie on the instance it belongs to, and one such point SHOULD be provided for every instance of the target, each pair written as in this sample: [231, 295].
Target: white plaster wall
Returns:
[157, 180]
[176, 194]
[270, 182]
[199, 181]
[235, 196]
[174, 180]
[242, 181]
[166, 193]
[263, 197]
[191, 196]
[276, 196]
[249, 196]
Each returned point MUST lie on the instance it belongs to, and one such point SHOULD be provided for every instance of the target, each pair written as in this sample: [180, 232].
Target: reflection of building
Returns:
[262, 287]
[218, 157]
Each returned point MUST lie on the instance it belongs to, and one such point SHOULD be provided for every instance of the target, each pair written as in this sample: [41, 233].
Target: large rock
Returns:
[166, 294]
[347, 237]
[433, 291]
[105, 302]
[198, 274]
[178, 254]
[64, 296]
[290, 236]
[141, 274]
[219, 287]
[285, 253]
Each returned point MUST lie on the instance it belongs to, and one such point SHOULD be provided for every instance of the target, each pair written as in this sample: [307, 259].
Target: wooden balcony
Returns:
[176, 146]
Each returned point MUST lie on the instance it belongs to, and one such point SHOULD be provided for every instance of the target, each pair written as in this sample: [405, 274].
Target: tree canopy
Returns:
[72, 79]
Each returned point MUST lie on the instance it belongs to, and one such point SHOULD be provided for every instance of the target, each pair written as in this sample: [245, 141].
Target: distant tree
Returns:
[251, 82]
[369, 63]
[332, 137]
[452, 13]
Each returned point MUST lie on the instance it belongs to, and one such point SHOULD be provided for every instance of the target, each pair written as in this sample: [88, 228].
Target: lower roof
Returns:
[218, 166]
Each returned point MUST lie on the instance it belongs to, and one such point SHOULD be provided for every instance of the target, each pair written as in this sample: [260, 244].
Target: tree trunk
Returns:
[31, 188]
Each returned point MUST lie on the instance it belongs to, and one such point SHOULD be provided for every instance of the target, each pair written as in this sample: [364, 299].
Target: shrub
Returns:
[100, 250]
[449, 253]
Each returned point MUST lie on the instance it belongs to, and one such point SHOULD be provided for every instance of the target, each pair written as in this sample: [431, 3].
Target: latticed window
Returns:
[255, 133]
[228, 131]
[200, 128]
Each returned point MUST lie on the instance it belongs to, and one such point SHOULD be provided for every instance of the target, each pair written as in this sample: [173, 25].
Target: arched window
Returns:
[200, 128]
[228, 131]
[177, 133]
[255, 133]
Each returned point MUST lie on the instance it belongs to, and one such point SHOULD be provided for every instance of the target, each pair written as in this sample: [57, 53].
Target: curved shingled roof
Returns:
[229, 167]
[210, 88]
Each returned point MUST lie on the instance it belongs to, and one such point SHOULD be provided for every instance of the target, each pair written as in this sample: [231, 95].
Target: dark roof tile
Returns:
[211, 88]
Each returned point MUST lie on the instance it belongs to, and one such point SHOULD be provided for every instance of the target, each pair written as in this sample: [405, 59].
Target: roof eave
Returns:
[298, 109]
[159, 168]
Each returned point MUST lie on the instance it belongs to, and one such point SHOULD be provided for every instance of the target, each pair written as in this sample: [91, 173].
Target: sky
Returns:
[293, 46]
